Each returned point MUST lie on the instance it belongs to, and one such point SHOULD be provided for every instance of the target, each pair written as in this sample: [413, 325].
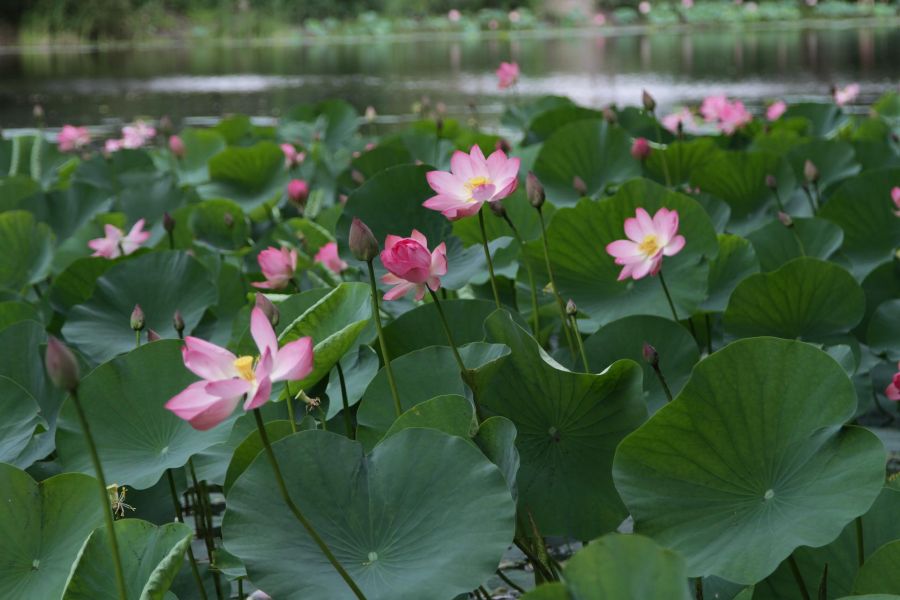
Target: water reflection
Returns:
[678, 67]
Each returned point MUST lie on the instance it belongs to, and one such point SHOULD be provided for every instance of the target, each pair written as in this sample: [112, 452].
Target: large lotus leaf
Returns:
[334, 323]
[625, 567]
[420, 376]
[116, 171]
[76, 283]
[200, 145]
[161, 282]
[835, 160]
[823, 119]
[735, 261]
[26, 250]
[751, 460]
[151, 557]
[586, 273]
[640, 123]
[569, 425]
[435, 526]
[880, 526]
[879, 573]
[625, 338]
[42, 527]
[880, 285]
[452, 414]
[593, 150]
[359, 368]
[681, 160]
[776, 244]
[21, 418]
[548, 122]
[372, 162]
[67, 210]
[334, 121]
[862, 207]
[137, 438]
[806, 298]
[219, 224]
[519, 114]
[250, 447]
[251, 176]
[883, 332]
[739, 178]
[519, 211]
[15, 189]
[152, 199]
[13, 311]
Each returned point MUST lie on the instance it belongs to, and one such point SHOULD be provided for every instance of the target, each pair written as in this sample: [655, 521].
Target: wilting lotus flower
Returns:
[278, 266]
[72, 138]
[328, 256]
[892, 391]
[412, 266]
[472, 181]
[649, 240]
[116, 243]
[895, 196]
[640, 148]
[846, 95]
[507, 74]
[227, 378]
[291, 156]
[775, 110]
[137, 134]
[684, 117]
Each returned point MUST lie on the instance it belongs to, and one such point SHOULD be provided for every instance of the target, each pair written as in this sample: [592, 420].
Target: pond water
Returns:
[99, 86]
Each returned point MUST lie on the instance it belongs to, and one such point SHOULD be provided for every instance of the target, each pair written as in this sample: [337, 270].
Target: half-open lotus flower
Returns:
[649, 240]
[411, 266]
[472, 181]
[227, 378]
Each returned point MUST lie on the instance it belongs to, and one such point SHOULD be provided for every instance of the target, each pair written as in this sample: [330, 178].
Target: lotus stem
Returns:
[535, 316]
[190, 551]
[205, 514]
[487, 256]
[463, 371]
[580, 342]
[698, 588]
[665, 288]
[798, 577]
[554, 289]
[860, 543]
[398, 408]
[348, 420]
[282, 487]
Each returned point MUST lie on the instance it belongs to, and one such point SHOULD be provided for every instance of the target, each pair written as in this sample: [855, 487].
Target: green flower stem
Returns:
[171, 235]
[510, 582]
[487, 256]
[798, 577]
[698, 588]
[709, 348]
[463, 371]
[812, 203]
[535, 317]
[205, 514]
[137, 338]
[104, 498]
[665, 163]
[665, 288]
[662, 381]
[778, 200]
[290, 411]
[553, 288]
[190, 551]
[348, 418]
[577, 335]
[398, 408]
[860, 544]
[282, 487]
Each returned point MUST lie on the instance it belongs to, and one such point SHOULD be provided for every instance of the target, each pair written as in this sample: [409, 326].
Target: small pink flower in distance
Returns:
[734, 116]
[895, 196]
[640, 149]
[712, 107]
[649, 239]
[687, 3]
[453, 15]
[291, 156]
[599, 20]
[472, 181]
[507, 74]
[644, 7]
[298, 190]
[116, 243]
[176, 146]
[514, 16]
[278, 266]
[328, 256]
[775, 110]
[137, 134]
[683, 116]
[111, 146]
[227, 378]
[411, 266]
[72, 138]
[892, 391]
[846, 95]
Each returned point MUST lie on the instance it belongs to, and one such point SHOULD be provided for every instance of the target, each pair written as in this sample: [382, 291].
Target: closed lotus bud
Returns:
[579, 185]
[571, 309]
[298, 191]
[168, 222]
[362, 243]
[269, 309]
[152, 336]
[650, 355]
[178, 322]
[357, 177]
[771, 182]
[176, 145]
[810, 172]
[62, 368]
[785, 219]
[370, 113]
[497, 208]
[137, 318]
[38, 112]
[648, 101]
[640, 149]
[534, 190]
[609, 115]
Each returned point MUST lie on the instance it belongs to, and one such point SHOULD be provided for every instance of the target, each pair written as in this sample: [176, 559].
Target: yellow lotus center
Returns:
[649, 245]
[477, 182]
[244, 366]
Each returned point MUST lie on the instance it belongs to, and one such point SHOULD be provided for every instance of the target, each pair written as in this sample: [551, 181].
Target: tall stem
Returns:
[698, 588]
[665, 164]
[291, 415]
[205, 514]
[487, 256]
[285, 495]
[104, 498]
[559, 302]
[665, 288]
[463, 371]
[398, 408]
[798, 577]
[190, 551]
[860, 544]
[662, 382]
[535, 317]
[348, 419]
[577, 336]
[810, 200]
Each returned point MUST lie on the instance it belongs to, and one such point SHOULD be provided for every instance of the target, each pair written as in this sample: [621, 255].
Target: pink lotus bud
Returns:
[178, 322]
[363, 244]
[168, 222]
[640, 149]
[571, 308]
[609, 115]
[62, 368]
[357, 177]
[810, 172]
[648, 101]
[534, 190]
[579, 185]
[651, 356]
[497, 208]
[176, 145]
[137, 318]
[785, 219]
[298, 191]
[270, 310]
[771, 182]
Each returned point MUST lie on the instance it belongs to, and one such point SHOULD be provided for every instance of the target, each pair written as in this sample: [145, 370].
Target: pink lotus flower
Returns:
[684, 117]
[412, 266]
[227, 378]
[507, 74]
[72, 138]
[116, 243]
[472, 181]
[895, 196]
[846, 95]
[892, 391]
[328, 256]
[111, 146]
[176, 146]
[640, 149]
[644, 7]
[649, 240]
[729, 116]
[775, 110]
[298, 190]
[137, 134]
[278, 266]
[453, 15]
[291, 156]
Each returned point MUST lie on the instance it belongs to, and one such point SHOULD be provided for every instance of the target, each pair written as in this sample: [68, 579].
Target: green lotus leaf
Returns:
[26, 249]
[736, 260]
[359, 368]
[433, 527]
[751, 460]
[878, 575]
[335, 121]
[250, 447]
[452, 414]
[21, 419]
[776, 244]
[883, 332]
[823, 119]
[251, 176]
[200, 145]
[680, 159]
[13, 312]
[545, 124]
[835, 161]
[219, 224]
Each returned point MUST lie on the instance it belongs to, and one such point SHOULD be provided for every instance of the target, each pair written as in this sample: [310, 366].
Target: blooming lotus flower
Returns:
[227, 378]
[472, 181]
[412, 266]
[644, 7]
[176, 146]
[895, 196]
[454, 15]
[728, 115]
[683, 117]
[278, 266]
[298, 191]
[116, 243]
[892, 391]
[291, 156]
[507, 74]
[649, 239]
[72, 138]
[111, 146]
[846, 95]
[328, 256]
[775, 110]
[137, 134]
[640, 149]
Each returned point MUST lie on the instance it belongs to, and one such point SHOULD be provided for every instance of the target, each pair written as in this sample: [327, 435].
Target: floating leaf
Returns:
[26, 248]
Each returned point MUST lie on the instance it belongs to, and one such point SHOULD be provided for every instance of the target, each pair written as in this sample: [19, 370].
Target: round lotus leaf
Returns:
[879, 575]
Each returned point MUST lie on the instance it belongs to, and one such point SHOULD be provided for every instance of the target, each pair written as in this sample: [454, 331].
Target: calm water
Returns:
[94, 87]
